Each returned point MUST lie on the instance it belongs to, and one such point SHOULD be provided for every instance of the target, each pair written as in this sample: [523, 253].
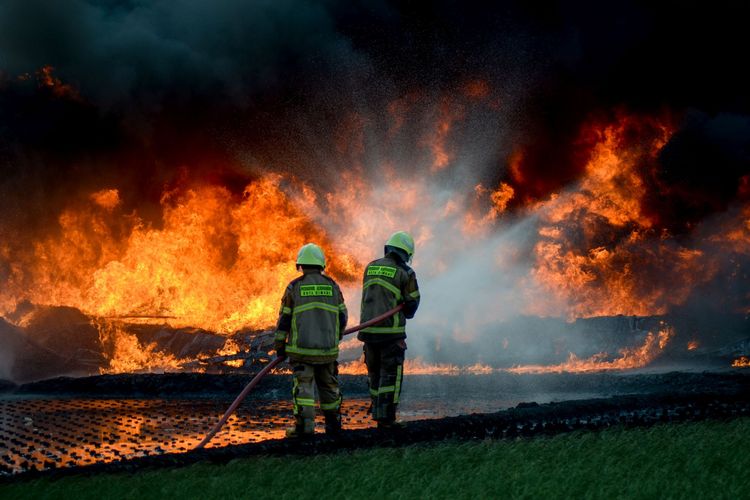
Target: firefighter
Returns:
[387, 282]
[311, 323]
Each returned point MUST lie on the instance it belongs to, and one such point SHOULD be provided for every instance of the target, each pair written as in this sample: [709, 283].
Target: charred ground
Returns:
[642, 400]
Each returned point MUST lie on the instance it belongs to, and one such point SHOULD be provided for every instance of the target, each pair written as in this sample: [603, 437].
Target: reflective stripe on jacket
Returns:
[388, 282]
[312, 318]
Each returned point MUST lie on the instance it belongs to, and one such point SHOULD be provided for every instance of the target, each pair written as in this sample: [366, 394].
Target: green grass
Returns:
[696, 460]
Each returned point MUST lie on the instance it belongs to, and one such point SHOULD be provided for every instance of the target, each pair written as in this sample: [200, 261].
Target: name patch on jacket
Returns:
[316, 290]
[387, 271]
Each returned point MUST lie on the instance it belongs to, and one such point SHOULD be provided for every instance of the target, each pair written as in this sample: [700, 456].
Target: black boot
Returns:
[387, 418]
[390, 425]
[333, 422]
[302, 428]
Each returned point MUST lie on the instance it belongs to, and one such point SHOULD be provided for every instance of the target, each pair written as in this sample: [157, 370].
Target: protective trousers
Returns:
[306, 377]
[385, 363]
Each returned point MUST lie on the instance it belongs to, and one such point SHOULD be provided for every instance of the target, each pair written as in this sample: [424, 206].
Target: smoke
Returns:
[687, 193]
[417, 112]
[12, 341]
[269, 85]
[149, 53]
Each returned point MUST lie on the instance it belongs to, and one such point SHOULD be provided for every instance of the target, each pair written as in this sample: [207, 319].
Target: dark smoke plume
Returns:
[271, 82]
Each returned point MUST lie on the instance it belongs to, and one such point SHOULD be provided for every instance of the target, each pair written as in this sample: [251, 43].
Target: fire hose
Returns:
[270, 366]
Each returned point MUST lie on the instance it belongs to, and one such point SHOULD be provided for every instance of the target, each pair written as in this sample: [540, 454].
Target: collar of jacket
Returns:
[312, 271]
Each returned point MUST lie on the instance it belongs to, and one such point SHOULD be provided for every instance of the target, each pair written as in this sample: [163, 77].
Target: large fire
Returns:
[219, 261]
[597, 254]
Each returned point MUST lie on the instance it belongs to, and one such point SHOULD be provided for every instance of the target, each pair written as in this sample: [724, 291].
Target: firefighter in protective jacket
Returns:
[312, 320]
[388, 282]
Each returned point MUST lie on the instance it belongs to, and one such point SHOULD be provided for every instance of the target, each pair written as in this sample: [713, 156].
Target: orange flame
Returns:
[46, 78]
[220, 261]
[450, 112]
[106, 198]
[217, 263]
[631, 358]
[596, 254]
[499, 199]
[741, 362]
[417, 366]
[129, 355]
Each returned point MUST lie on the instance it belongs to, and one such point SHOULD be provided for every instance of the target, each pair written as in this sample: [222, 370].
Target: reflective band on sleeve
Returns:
[386, 389]
[386, 271]
[286, 310]
[316, 291]
[280, 335]
[373, 392]
[414, 294]
[397, 393]
[342, 307]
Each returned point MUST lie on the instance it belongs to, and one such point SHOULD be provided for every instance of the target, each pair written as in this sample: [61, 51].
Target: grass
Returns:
[692, 460]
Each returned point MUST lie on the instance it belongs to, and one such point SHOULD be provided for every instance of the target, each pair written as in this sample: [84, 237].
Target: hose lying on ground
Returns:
[257, 378]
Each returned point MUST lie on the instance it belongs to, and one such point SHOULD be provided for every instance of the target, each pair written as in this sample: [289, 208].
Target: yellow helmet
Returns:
[402, 240]
[311, 255]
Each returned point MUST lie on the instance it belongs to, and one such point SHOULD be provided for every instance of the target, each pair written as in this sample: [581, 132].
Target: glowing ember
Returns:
[741, 362]
[693, 345]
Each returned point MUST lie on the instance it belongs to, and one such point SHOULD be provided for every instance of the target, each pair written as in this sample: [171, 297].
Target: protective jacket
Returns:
[312, 318]
[388, 282]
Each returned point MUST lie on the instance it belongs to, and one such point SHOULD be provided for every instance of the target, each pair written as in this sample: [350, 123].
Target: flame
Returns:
[418, 366]
[596, 254]
[476, 223]
[220, 261]
[231, 347]
[106, 198]
[46, 78]
[631, 358]
[217, 263]
[693, 345]
[741, 362]
[449, 114]
[128, 355]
